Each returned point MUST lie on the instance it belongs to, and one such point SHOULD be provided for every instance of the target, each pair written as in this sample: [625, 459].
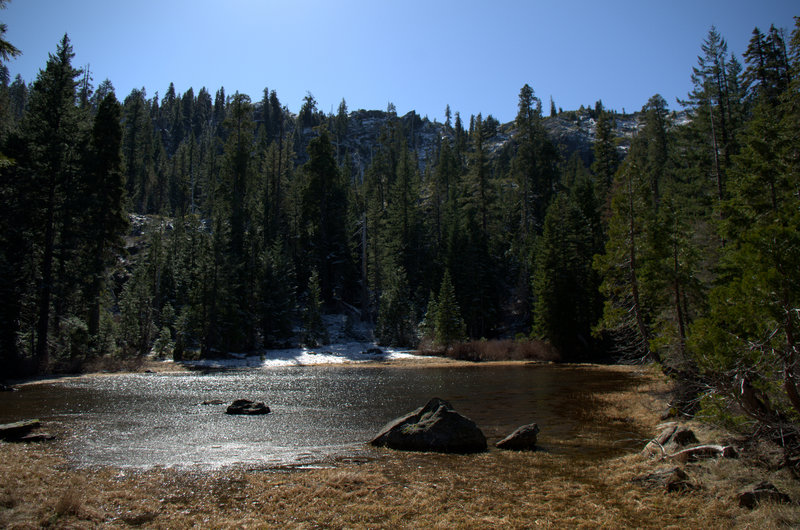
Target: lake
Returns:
[320, 414]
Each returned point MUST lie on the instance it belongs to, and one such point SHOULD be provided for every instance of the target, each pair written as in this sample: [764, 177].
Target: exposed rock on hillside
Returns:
[573, 131]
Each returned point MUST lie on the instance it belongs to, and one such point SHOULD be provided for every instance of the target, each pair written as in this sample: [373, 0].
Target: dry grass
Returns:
[397, 490]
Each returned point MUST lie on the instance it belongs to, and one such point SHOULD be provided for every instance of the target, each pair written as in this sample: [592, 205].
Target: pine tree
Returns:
[340, 128]
[51, 127]
[401, 233]
[469, 232]
[141, 298]
[714, 109]
[237, 317]
[448, 325]
[628, 252]
[562, 280]
[105, 215]
[18, 96]
[395, 325]
[308, 116]
[315, 333]
[136, 131]
[534, 165]
[768, 74]
[478, 197]
[324, 213]
[606, 159]
[278, 292]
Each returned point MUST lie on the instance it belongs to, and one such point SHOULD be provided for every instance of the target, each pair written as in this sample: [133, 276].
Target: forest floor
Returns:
[39, 487]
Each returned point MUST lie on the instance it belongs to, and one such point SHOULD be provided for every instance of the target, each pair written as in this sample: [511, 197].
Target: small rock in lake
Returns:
[214, 402]
[372, 351]
[522, 439]
[247, 407]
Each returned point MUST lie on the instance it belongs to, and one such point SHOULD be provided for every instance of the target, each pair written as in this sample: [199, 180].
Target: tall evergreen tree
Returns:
[563, 286]
[714, 110]
[626, 316]
[238, 319]
[448, 326]
[51, 127]
[324, 209]
[105, 214]
[534, 165]
[315, 333]
[136, 133]
[606, 159]
[395, 325]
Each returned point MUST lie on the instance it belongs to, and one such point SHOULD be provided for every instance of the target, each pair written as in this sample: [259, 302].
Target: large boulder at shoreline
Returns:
[436, 427]
[247, 407]
[522, 439]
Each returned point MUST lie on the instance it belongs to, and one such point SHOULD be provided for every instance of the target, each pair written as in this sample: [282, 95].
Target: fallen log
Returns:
[17, 430]
[704, 451]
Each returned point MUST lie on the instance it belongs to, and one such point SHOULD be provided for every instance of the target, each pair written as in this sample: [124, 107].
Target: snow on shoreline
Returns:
[347, 352]
[344, 349]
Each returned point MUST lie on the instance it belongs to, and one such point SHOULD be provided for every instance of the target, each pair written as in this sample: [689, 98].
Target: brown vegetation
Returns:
[496, 350]
[38, 487]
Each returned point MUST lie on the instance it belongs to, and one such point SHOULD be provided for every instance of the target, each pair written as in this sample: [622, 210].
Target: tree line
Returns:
[682, 249]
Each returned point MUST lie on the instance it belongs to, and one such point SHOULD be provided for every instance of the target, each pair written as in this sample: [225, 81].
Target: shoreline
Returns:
[40, 487]
[165, 367]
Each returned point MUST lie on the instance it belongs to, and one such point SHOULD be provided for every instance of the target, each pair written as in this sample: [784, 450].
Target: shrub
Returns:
[503, 350]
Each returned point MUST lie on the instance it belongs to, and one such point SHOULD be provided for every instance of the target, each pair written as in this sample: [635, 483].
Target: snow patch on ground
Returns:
[348, 352]
[343, 349]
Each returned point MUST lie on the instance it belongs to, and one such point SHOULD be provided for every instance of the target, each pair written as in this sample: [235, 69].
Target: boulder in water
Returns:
[436, 427]
[247, 407]
[522, 439]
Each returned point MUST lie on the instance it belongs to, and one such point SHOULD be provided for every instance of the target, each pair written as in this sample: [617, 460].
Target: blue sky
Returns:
[417, 54]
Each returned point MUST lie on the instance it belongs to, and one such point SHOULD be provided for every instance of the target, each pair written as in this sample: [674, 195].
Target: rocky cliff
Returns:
[572, 132]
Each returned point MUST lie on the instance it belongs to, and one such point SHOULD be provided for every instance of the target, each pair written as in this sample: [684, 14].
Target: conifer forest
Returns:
[205, 222]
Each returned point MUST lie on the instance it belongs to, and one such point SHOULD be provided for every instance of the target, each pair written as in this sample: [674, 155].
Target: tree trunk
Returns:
[790, 357]
[715, 147]
[678, 308]
[637, 308]
[46, 287]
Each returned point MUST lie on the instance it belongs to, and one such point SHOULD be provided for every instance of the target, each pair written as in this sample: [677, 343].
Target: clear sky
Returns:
[418, 54]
